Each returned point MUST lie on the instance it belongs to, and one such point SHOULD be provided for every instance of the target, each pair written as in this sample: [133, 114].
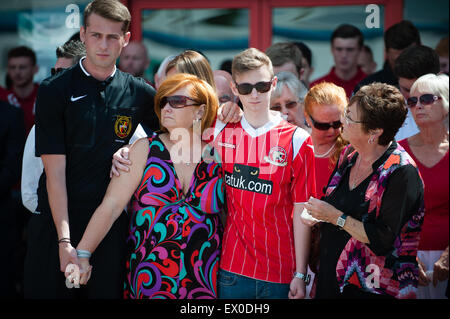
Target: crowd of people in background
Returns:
[252, 180]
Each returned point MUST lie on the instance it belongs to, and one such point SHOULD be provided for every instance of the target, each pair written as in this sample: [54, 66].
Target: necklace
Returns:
[326, 153]
[357, 176]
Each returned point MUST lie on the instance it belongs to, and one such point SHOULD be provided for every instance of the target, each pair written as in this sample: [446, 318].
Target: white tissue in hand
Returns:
[307, 216]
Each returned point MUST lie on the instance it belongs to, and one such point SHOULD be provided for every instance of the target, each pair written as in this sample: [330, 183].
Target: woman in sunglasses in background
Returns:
[325, 104]
[428, 103]
[288, 97]
[373, 208]
[176, 192]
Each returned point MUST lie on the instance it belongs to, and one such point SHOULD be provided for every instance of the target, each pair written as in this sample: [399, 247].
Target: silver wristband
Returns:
[305, 277]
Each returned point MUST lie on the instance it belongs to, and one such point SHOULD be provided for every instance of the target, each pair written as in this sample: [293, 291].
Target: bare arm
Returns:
[302, 239]
[356, 229]
[119, 192]
[55, 170]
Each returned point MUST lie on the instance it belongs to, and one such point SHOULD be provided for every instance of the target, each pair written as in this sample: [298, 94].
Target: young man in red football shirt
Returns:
[346, 44]
[269, 172]
[21, 70]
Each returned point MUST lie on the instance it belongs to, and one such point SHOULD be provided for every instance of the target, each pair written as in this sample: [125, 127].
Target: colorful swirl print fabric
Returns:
[174, 240]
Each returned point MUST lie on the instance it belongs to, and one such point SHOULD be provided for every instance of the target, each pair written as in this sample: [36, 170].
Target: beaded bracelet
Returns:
[83, 253]
[64, 240]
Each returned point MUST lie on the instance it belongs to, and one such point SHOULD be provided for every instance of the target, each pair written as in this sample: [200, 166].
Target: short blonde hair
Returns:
[250, 59]
[200, 91]
[434, 84]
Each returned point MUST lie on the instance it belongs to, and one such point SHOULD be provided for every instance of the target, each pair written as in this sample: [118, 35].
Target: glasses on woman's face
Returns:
[424, 99]
[349, 120]
[289, 105]
[177, 101]
[325, 126]
[247, 88]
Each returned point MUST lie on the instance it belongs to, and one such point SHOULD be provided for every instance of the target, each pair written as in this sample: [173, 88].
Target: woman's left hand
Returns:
[440, 271]
[322, 210]
[297, 289]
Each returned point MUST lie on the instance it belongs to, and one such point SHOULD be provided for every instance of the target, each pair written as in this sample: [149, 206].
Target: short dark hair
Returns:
[109, 9]
[22, 51]
[381, 106]
[401, 35]
[72, 49]
[226, 65]
[346, 31]
[416, 61]
[283, 52]
[306, 51]
[366, 48]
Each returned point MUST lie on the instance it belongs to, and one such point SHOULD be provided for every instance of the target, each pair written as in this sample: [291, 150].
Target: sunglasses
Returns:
[288, 105]
[177, 101]
[325, 126]
[425, 99]
[247, 88]
[227, 98]
[53, 71]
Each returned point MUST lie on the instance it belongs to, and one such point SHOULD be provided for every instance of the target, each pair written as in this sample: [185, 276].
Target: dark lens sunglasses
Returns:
[425, 99]
[247, 88]
[325, 126]
[177, 101]
[288, 105]
[53, 71]
[227, 98]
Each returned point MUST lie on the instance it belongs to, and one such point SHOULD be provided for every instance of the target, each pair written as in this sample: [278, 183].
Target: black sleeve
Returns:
[12, 144]
[49, 120]
[149, 117]
[401, 199]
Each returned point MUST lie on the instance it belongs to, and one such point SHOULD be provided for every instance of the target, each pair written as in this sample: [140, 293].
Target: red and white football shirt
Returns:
[26, 104]
[267, 170]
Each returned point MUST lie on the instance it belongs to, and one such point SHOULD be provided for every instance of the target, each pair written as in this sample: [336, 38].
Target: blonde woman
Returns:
[428, 103]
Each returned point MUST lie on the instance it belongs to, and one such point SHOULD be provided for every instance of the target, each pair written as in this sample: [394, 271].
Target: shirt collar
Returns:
[274, 121]
[88, 74]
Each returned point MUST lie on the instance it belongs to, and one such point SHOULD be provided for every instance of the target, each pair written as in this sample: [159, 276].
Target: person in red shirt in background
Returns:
[346, 44]
[21, 69]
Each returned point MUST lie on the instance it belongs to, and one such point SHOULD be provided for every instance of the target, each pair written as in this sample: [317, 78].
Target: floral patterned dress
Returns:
[174, 239]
